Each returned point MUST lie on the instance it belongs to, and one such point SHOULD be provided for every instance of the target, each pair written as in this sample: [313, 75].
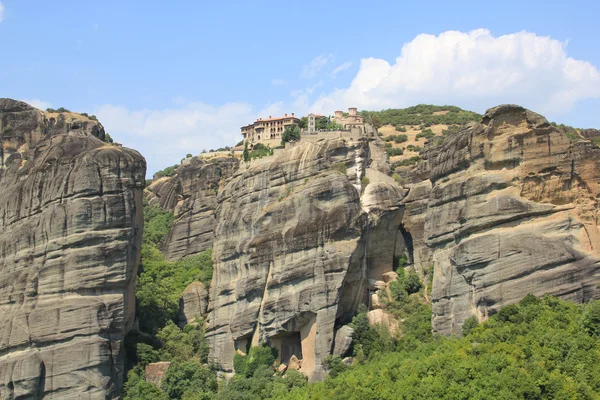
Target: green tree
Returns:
[334, 365]
[176, 345]
[303, 124]
[469, 324]
[290, 134]
[146, 354]
[246, 152]
[538, 349]
[257, 356]
[591, 318]
[188, 376]
[136, 388]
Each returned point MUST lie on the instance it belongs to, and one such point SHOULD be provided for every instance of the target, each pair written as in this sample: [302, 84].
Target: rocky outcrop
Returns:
[343, 340]
[155, 372]
[510, 208]
[192, 196]
[193, 303]
[290, 252]
[22, 127]
[70, 232]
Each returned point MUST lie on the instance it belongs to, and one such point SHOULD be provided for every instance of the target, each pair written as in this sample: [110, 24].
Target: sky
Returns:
[172, 78]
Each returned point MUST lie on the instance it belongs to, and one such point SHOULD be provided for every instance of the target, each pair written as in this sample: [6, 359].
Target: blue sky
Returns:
[170, 78]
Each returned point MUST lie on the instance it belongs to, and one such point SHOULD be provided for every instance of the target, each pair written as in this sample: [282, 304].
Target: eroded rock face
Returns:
[192, 196]
[193, 303]
[70, 232]
[288, 253]
[510, 208]
[291, 254]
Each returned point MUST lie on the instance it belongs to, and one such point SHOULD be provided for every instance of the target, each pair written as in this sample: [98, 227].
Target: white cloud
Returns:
[277, 82]
[302, 97]
[474, 70]
[1, 12]
[310, 70]
[39, 104]
[341, 68]
[165, 136]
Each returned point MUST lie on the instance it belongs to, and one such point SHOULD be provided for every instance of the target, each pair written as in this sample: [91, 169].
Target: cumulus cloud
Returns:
[164, 136]
[474, 70]
[317, 64]
[37, 103]
[341, 68]
[1, 12]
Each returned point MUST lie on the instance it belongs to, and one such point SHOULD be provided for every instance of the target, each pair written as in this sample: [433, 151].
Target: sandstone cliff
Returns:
[291, 263]
[510, 207]
[70, 231]
[192, 196]
[505, 207]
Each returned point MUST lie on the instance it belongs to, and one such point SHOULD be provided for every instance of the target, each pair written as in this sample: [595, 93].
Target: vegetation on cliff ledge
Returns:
[423, 115]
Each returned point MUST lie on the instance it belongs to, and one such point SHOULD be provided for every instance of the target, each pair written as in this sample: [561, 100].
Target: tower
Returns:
[312, 126]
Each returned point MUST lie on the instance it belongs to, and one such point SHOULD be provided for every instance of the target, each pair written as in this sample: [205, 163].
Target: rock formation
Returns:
[193, 303]
[505, 207]
[155, 372]
[510, 207]
[290, 255]
[70, 232]
[192, 196]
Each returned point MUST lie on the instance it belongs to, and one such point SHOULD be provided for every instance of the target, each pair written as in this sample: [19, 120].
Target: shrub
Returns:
[398, 178]
[425, 133]
[451, 130]
[396, 138]
[257, 356]
[409, 161]
[365, 338]
[259, 150]
[167, 172]
[400, 128]
[400, 262]
[400, 138]
[339, 167]
[394, 151]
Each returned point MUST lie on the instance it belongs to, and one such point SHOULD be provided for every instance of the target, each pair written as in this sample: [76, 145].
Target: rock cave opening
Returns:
[290, 345]
[242, 345]
[404, 245]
